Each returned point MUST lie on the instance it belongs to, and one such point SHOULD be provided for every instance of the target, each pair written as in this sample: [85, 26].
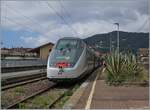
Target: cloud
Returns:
[39, 40]
[139, 25]
[85, 17]
[18, 13]
[92, 27]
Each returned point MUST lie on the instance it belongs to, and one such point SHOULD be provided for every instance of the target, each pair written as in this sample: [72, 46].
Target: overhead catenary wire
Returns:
[22, 33]
[27, 27]
[37, 28]
[69, 16]
[65, 11]
[28, 18]
[63, 19]
[142, 26]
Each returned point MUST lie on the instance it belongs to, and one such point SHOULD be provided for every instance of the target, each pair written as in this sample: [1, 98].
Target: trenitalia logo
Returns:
[60, 71]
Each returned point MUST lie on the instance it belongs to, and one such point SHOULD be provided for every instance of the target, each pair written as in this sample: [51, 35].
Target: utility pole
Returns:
[117, 36]
[101, 43]
[110, 43]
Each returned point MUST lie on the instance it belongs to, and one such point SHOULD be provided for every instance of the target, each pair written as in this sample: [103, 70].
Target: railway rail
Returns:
[21, 68]
[15, 105]
[70, 90]
[55, 101]
[39, 93]
[22, 83]
[52, 105]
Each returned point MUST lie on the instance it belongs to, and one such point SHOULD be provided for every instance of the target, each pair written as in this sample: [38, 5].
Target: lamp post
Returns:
[117, 36]
[110, 44]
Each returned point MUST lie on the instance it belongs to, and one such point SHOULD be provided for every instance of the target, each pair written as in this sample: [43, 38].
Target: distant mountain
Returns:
[128, 41]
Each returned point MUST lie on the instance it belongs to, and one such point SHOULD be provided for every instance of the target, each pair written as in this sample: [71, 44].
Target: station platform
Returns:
[5, 76]
[96, 94]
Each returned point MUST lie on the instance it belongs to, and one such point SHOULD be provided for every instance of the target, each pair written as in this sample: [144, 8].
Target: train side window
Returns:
[81, 45]
[88, 55]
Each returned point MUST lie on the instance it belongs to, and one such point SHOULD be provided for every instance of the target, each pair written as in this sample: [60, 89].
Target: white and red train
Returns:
[70, 59]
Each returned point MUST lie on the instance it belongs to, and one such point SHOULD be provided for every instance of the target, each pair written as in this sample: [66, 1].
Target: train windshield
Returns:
[66, 51]
[63, 44]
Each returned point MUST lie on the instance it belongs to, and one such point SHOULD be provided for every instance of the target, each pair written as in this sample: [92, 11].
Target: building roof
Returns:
[143, 49]
[37, 48]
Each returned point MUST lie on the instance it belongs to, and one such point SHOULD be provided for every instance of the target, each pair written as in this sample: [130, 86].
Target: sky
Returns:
[33, 23]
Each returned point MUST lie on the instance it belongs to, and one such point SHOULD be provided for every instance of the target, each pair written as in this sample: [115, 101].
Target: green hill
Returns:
[128, 41]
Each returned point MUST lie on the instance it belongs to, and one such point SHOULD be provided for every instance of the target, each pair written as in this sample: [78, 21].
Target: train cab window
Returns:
[62, 44]
[67, 50]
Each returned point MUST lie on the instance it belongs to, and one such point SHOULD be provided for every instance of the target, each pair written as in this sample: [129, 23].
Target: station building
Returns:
[43, 50]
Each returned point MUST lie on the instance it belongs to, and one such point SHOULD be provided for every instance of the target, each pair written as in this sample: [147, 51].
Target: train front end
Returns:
[67, 60]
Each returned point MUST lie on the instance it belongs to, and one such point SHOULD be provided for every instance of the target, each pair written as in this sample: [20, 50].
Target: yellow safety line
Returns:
[88, 104]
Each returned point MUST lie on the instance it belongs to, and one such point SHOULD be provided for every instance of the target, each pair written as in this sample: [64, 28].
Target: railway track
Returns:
[21, 68]
[55, 101]
[56, 86]
[30, 97]
[16, 105]
[38, 93]
[52, 105]
[70, 91]
[22, 83]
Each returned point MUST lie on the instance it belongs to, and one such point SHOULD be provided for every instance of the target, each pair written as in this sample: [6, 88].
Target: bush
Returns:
[122, 68]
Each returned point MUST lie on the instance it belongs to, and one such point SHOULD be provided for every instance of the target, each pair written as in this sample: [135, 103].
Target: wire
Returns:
[65, 11]
[68, 14]
[13, 21]
[142, 26]
[62, 18]
[28, 18]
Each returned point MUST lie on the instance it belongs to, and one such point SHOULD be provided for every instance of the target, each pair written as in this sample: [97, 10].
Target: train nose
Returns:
[60, 67]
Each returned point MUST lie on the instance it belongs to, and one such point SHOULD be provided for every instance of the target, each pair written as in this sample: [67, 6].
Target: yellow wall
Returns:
[44, 51]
